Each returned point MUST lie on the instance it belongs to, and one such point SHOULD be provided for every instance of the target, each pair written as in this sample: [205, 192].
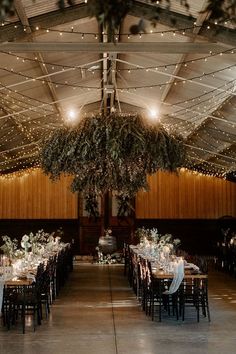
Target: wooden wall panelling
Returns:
[35, 196]
[186, 196]
[89, 235]
[91, 230]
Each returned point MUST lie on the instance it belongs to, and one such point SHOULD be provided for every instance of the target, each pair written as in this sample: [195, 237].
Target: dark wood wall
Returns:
[198, 236]
[90, 231]
[16, 228]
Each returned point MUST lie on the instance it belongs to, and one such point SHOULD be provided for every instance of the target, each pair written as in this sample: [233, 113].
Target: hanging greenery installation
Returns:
[112, 152]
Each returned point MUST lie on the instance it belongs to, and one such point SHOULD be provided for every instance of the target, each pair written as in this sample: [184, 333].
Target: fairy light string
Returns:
[156, 67]
[72, 31]
[86, 87]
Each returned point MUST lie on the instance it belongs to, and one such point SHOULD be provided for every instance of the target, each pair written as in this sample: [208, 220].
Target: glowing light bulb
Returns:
[153, 114]
[71, 115]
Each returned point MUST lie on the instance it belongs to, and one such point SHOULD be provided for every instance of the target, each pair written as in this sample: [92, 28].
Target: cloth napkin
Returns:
[178, 270]
[193, 266]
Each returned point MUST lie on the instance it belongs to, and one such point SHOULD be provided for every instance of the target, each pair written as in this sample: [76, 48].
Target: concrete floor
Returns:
[97, 313]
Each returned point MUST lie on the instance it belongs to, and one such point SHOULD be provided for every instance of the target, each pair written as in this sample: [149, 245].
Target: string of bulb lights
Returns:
[209, 167]
[23, 97]
[210, 145]
[10, 111]
[193, 115]
[184, 108]
[213, 96]
[27, 132]
[16, 161]
[65, 83]
[187, 109]
[210, 105]
[187, 125]
[179, 79]
[96, 35]
[176, 64]
[215, 154]
[185, 101]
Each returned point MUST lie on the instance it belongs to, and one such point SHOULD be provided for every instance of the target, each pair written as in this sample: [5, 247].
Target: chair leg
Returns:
[38, 315]
[23, 318]
[208, 312]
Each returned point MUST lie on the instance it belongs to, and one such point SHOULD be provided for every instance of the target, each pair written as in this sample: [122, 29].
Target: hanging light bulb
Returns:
[72, 116]
[153, 114]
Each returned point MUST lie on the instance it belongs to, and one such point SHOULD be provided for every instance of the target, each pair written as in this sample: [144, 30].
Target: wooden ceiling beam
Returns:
[146, 47]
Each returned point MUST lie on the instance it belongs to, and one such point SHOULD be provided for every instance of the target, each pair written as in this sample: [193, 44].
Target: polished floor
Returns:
[97, 313]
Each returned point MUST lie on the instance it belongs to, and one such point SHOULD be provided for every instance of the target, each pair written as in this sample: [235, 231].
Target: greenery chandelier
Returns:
[112, 152]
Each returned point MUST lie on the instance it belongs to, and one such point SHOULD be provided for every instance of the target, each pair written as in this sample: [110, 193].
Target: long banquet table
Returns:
[149, 279]
[51, 269]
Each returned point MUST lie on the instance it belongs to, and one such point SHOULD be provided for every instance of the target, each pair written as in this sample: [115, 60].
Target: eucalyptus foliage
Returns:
[125, 207]
[111, 153]
[110, 13]
[91, 205]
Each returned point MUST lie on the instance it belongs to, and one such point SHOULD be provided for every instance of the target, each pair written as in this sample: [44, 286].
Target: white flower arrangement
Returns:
[19, 254]
[161, 243]
[154, 235]
[41, 236]
[36, 243]
[9, 247]
[141, 233]
[25, 243]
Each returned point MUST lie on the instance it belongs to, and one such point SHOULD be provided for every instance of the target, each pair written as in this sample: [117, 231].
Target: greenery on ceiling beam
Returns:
[111, 153]
[111, 12]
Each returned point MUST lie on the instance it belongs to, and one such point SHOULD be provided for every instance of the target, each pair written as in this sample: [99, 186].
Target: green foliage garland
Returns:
[110, 13]
[125, 207]
[111, 153]
[91, 205]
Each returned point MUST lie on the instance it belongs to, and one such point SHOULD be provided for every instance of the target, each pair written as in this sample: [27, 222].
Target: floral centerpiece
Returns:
[25, 244]
[9, 247]
[155, 244]
[32, 244]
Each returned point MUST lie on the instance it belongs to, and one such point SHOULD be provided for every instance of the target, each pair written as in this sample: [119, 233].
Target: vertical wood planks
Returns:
[186, 196]
[35, 196]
